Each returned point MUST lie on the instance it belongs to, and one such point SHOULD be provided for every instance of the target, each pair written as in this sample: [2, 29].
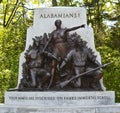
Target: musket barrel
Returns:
[63, 84]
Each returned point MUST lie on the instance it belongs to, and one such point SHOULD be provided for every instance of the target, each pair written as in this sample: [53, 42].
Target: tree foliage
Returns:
[16, 16]
[12, 41]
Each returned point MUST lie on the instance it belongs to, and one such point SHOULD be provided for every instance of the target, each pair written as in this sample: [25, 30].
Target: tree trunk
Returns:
[12, 14]
[54, 3]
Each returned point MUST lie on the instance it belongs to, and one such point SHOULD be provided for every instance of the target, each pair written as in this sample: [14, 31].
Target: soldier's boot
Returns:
[78, 82]
[95, 81]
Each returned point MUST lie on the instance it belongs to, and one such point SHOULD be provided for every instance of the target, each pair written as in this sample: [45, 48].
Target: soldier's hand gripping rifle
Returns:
[65, 83]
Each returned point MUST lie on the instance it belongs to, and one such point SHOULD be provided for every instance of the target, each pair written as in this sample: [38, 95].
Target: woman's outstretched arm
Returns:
[75, 28]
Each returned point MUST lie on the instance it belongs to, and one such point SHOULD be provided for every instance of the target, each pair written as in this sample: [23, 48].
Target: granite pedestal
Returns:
[60, 102]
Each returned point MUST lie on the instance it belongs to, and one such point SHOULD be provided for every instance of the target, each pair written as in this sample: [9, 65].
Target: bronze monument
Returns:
[55, 59]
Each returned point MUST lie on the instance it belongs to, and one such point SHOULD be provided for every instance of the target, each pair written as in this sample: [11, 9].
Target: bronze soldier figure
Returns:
[80, 56]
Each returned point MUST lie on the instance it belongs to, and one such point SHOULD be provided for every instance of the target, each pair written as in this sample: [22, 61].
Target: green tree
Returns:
[13, 26]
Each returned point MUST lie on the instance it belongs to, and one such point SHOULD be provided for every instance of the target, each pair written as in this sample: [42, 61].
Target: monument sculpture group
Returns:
[60, 70]
[55, 58]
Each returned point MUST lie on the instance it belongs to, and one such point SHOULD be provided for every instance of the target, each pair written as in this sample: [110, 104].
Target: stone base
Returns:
[59, 99]
[60, 102]
[80, 109]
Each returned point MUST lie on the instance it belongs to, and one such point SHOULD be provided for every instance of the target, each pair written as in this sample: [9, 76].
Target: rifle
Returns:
[63, 84]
